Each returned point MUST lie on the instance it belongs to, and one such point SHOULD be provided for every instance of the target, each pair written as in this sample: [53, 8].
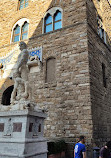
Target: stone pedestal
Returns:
[21, 134]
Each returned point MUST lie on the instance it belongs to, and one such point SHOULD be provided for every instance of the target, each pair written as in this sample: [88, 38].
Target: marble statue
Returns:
[20, 76]
[21, 94]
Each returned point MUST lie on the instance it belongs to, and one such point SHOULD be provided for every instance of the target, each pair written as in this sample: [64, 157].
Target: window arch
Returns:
[57, 20]
[22, 4]
[24, 32]
[52, 20]
[48, 23]
[16, 33]
[20, 30]
[100, 29]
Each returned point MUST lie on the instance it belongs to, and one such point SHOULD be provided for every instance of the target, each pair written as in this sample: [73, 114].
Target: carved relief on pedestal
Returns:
[35, 127]
[8, 128]
[17, 127]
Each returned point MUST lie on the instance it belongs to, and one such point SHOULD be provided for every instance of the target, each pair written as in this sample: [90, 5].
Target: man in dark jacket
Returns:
[105, 151]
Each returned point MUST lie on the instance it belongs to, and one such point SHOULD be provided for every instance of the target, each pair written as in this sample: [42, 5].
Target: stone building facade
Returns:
[73, 80]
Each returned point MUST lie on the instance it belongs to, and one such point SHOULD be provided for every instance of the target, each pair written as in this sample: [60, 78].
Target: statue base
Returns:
[21, 134]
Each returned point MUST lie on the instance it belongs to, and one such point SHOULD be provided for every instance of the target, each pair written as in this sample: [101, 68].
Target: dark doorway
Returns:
[7, 95]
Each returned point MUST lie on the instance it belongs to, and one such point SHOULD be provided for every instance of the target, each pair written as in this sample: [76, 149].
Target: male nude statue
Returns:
[20, 76]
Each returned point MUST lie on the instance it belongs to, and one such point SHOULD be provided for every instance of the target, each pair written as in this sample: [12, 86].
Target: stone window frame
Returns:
[20, 23]
[100, 30]
[23, 4]
[52, 12]
[24, 32]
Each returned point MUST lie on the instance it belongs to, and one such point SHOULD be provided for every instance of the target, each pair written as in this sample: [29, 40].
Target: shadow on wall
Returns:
[99, 76]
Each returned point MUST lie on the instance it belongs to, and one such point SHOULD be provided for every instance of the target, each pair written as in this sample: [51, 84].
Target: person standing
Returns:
[105, 151]
[80, 150]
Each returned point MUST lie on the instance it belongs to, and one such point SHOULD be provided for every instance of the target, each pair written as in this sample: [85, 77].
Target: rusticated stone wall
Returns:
[100, 96]
[68, 97]
[99, 53]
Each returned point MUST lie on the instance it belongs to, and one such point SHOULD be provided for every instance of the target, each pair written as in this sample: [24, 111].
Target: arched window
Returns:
[48, 23]
[24, 32]
[16, 33]
[23, 4]
[52, 20]
[100, 30]
[57, 20]
[50, 70]
[20, 30]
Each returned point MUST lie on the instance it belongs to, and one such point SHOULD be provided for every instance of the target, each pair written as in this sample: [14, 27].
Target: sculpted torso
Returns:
[20, 76]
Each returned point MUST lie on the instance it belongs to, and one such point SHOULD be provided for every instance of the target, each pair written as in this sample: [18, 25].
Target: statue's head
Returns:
[22, 45]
